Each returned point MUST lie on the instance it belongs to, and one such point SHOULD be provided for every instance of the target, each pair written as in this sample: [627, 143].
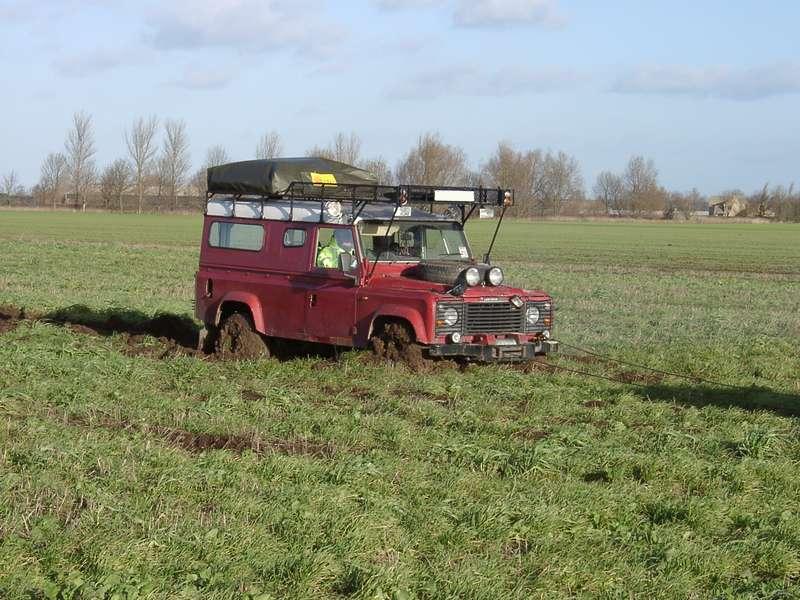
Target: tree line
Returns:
[155, 173]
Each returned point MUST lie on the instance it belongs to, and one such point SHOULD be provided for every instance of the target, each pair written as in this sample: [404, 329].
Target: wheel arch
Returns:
[241, 302]
[410, 317]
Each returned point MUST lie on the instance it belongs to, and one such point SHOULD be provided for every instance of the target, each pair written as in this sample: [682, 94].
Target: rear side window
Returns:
[294, 238]
[236, 236]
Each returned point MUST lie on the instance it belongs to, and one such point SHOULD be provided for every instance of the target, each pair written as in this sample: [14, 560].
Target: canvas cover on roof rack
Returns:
[272, 177]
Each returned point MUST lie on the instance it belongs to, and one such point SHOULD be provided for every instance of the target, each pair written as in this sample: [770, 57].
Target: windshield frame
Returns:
[433, 224]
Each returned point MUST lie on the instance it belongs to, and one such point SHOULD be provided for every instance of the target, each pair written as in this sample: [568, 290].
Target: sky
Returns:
[709, 90]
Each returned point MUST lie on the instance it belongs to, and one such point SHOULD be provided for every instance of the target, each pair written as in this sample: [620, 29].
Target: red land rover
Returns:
[313, 250]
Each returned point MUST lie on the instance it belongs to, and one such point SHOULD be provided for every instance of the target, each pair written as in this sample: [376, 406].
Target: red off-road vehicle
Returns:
[307, 249]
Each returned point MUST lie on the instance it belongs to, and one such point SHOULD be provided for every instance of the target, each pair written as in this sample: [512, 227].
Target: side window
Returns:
[236, 236]
[294, 238]
[331, 242]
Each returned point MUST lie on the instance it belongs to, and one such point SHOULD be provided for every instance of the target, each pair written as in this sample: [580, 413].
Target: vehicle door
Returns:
[286, 296]
[330, 293]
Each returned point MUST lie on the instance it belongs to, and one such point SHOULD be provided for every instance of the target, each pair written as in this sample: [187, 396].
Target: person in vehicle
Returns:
[328, 255]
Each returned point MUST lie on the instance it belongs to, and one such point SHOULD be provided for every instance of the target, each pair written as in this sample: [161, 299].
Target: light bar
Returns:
[454, 196]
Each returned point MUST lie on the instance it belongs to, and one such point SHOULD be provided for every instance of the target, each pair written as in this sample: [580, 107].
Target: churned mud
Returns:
[394, 345]
[237, 340]
[608, 369]
[10, 316]
[162, 336]
[199, 442]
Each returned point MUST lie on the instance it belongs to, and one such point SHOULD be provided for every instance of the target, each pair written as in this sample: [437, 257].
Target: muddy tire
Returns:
[441, 271]
[395, 343]
[238, 339]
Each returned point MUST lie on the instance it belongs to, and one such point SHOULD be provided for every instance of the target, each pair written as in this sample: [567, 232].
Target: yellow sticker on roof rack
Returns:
[326, 178]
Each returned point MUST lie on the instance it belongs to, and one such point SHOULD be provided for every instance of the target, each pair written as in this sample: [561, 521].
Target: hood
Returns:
[398, 276]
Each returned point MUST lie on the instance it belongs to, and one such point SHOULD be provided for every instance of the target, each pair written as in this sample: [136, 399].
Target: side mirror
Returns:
[348, 265]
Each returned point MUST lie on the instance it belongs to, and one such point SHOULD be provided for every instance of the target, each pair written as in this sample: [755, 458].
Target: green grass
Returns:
[368, 481]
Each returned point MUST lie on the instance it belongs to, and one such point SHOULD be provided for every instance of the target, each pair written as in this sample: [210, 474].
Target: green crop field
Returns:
[130, 469]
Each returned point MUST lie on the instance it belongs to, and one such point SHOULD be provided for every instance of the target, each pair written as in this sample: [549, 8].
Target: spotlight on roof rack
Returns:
[403, 197]
[508, 198]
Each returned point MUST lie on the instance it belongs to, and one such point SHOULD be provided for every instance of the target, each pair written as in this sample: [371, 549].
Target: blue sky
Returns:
[709, 90]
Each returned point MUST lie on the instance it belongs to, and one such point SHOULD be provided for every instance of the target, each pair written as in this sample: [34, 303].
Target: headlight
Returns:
[495, 276]
[532, 315]
[472, 276]
[449, 316]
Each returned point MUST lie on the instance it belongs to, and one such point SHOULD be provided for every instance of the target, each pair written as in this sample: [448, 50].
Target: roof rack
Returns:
[358, 196]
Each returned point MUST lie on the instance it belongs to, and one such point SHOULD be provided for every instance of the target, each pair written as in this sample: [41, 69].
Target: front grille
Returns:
[493, 317]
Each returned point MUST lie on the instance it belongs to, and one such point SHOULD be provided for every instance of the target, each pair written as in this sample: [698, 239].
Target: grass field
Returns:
[347, 478]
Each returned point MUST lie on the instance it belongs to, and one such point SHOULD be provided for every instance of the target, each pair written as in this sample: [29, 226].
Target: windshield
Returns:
[412, 241]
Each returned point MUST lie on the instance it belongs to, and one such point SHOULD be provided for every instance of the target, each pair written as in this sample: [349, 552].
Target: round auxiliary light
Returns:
[508, 199]
[546, 334]
[532, 315]
[449, 316]
[403, 197]
[495, 276]
[333, 209]
[455, 337]
[472, 276]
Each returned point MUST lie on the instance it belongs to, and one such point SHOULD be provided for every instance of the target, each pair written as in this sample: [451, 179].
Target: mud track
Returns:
[608, 369]
[200, 442]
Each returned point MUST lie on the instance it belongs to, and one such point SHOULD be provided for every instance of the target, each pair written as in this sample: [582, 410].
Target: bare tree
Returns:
[216, 155]
[80, 155]
[380, 168]
[160, 177]
[11, 186]
[269, 146]
[140, 141]
[115, 182]
[345, 148]
[562, 181]
[642, 191]
[175, 154]
[609, 190]
[521, 171]
[53, 176]
[432, 162]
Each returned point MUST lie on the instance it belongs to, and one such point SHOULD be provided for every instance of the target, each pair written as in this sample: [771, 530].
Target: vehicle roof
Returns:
[273, 176]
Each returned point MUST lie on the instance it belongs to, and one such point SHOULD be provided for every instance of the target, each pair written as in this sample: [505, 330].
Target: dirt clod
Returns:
[252, 395]
[593, 404]
[599, 476]
[533, 435]
[10, 317]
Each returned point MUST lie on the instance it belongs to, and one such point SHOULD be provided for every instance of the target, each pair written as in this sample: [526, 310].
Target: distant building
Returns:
[731, 206]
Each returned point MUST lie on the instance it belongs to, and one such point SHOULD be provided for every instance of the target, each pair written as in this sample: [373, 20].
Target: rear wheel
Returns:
[237, 338]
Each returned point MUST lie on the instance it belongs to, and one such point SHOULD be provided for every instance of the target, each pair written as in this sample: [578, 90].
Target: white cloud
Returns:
[95, 61]
[495, 13]
[245, 25]
[471, 81]
[722, 82]
[488, 13]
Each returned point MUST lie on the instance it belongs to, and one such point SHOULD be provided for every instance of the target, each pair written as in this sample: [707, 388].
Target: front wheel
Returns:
[395, 342]
[237, 338]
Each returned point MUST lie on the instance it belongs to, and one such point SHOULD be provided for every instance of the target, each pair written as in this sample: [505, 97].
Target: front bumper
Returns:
[493, 353]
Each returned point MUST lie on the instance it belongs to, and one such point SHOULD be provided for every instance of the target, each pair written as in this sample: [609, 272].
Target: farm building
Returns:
[731, 206]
